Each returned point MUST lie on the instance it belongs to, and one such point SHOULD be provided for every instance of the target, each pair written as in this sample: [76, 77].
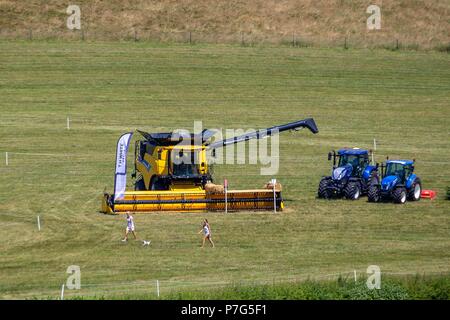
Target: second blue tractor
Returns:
[399, 183]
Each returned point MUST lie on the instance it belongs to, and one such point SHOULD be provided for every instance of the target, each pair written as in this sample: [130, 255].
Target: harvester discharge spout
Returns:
[259, 134]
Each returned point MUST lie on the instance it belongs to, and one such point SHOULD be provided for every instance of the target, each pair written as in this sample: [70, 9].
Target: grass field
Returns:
[107, 88]
[420, 24]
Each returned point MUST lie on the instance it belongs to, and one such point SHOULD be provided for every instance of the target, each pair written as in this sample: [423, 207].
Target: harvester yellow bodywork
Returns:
[174, 176]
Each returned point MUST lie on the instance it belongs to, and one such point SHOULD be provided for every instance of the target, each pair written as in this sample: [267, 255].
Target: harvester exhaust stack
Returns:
[163, 184]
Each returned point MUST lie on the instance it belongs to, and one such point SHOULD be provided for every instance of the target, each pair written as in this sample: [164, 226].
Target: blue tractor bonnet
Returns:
[353, 152]
[342, 172]
[388, 182]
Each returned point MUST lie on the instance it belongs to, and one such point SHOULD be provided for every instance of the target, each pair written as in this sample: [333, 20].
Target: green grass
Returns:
[401, 98]
[415, 287]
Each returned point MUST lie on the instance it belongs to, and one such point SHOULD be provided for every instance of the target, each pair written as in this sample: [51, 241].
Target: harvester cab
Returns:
[399, 183]
[172, 173]
[351, 175]
[167, 161]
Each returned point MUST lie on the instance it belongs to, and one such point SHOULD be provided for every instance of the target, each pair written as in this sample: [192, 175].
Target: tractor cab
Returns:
[350, 163]
[395, 172]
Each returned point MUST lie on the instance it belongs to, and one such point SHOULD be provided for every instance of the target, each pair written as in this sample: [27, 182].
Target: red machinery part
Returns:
[428, 194]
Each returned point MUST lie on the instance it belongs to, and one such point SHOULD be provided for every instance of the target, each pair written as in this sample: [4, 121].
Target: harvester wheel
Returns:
[415, 190]
[399, 195]
[139, 185]
[323, 191]
[352, 191]
[373, 194]
[158, 184]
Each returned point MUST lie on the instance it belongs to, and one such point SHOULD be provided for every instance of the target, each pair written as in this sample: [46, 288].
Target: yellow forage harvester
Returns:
[171, 173]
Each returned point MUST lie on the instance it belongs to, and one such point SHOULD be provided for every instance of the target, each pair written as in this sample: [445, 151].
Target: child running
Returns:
[206, 229]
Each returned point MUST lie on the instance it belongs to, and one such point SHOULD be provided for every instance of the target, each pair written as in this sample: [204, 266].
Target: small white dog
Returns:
[146, 243]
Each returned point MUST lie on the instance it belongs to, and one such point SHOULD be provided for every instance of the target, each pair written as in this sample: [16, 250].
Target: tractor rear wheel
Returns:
[324, 191]
[399, 195]
[373, 194]
[352, 191]
[373, 180]
[415, 190]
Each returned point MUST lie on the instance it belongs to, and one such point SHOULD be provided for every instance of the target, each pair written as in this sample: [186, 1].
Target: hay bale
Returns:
[214, 188]
[269, 186]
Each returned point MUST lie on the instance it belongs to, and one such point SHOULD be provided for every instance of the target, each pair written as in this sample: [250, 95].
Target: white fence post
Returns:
[6, 157]
[226, 201]
[62, 292]
[225, 185]
[354, 273]
[274, 182]
[68, 123]
[39, 223]
[274, 201]
[157, 288]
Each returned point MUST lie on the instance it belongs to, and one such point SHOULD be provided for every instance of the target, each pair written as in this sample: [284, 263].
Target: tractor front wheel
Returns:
[324, 191]
[399, 195]
[373, 194]
[415, 190]
[352, 191]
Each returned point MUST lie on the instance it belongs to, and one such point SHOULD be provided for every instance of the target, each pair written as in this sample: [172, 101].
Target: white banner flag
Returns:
[120, 178]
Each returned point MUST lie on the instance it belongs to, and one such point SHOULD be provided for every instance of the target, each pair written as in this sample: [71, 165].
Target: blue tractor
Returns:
[399, 183]
[351, 177]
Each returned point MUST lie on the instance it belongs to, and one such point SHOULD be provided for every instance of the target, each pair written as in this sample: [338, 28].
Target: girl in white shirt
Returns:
[206, 229]
[130, 227]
